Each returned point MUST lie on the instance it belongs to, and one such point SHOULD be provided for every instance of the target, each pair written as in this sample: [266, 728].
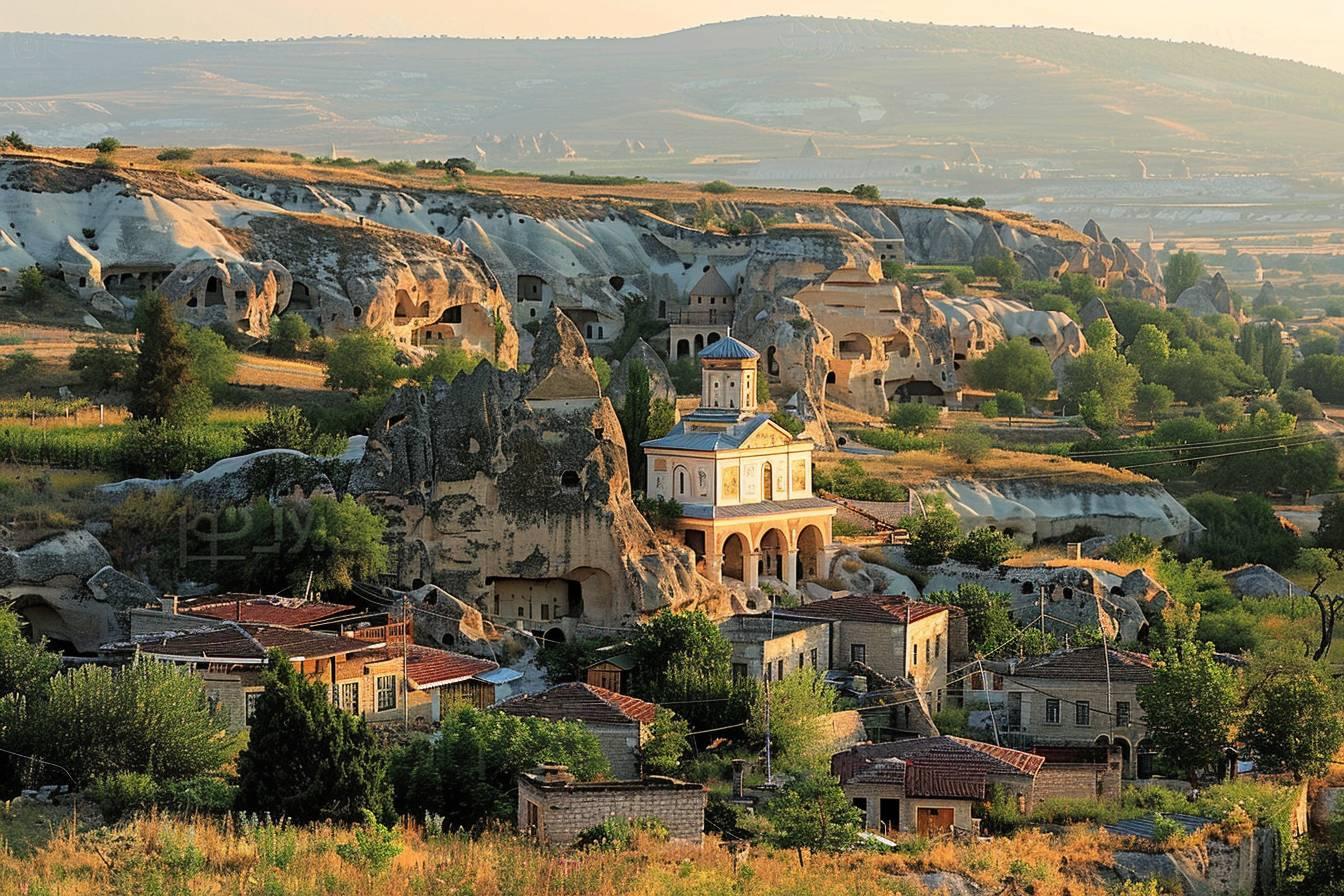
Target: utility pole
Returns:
[769, 771]
[406, 654]
[1040, 600]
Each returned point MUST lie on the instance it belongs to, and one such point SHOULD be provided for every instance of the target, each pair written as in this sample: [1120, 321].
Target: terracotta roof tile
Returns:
[1087, 664]
[264, 610]
[867, 608]
[249, 642]
[941, 766]
[581, 702]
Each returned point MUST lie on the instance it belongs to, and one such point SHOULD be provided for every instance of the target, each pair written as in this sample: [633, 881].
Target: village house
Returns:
[175, 614]
[555, 808]
[1081, 698]
[621, 724]
[613, 672]
[932, 786]
[363, 677]
[705, 319]
[769, 647]
[744, 482]
[897, 637]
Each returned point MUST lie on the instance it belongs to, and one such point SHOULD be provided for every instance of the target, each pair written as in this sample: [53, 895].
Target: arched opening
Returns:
[699, 344]
[767, 482]
[214, 295]
[530, 288]
[553, 636]
[811, 543]
[855, 346]
[734, 553]
[899, 345]
[773, 546]
[683, 349]
[695, 540]
[569, 481]
[590, 593]
[405, 309]
[1126, 754]
[681, 483]
[617, 282]
[301, 296]
[712, 338]
[771, 362]
[830, 377]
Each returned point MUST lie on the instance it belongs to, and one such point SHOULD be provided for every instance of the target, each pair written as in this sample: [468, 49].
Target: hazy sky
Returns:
[1308, 30]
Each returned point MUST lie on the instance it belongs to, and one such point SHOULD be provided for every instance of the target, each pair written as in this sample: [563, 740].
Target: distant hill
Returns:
[1019, 99]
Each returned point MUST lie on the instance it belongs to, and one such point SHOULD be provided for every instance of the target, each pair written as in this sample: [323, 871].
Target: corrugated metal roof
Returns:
[581, 702]
[1143, 827]
[684, 438]
[729, 348]
[732, 511]
[868, 608]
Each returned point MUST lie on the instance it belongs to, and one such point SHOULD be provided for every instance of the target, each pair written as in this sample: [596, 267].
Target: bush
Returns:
[848, 479]
[176, 154]
[866, 191]
[718, 187]
[952, 285]
[201, 794]
[397, 167]
[968, 442]
[124, 793]
[985, 547]
[32, 285]
[105, 365]
[1165, 830]
[932, 535]
[661, 513]
[789, 422]
[618, 834]
[914, 416]
[14, 141]
[288, 335]
[106, 145]
[284, 427]
[1130, 548]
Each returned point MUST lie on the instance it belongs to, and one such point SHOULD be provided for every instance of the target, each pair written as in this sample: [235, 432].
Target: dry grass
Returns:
[162, 855]
[40, 501]
[917, 467]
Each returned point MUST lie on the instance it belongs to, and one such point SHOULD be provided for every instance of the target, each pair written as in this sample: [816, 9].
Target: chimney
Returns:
[168, 604]
[553, 773]
[739, 779]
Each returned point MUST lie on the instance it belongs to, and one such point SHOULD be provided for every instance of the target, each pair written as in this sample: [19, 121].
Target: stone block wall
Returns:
[564, 810]
[1078, 780]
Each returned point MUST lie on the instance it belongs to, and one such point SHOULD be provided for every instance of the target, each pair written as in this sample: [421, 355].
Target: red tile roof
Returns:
[1087, 664]
[431, 668]
[943, 766]
[264, 610]
[247, 642]
[891, 608]
[581, 702]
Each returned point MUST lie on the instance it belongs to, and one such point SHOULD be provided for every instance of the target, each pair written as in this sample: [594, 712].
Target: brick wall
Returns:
[566, 810]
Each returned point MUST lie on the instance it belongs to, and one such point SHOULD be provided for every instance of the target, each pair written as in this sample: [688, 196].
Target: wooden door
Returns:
[932, 822]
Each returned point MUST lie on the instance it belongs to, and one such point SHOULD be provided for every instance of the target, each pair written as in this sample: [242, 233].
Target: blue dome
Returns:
[730, 349]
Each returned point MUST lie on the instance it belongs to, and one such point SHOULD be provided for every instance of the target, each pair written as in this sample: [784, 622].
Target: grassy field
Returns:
[917, 467]
[204, 857]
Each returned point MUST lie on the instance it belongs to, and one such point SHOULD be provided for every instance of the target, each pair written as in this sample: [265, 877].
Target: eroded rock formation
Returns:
[500, 483]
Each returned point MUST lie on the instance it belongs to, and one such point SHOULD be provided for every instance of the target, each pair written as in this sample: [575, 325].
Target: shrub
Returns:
[105, 145]
[718, 187]
[848, 479]
[123, 793]
[32, 285]
[985, 547]
[914, 416]
[203, 793]
[661, 513]
[1131, 547]
[284, 427]
[176, 154]
[397, 167]
[105, 161]
[14, 141]
[789, 422]
[1165, 830]
[952, 285]
[968, 442]
[866, 191]
[374, 848]
[105, 365]
[288, 335]
[932, 535]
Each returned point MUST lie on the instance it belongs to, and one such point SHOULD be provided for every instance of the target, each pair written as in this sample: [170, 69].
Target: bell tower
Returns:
[728, 380]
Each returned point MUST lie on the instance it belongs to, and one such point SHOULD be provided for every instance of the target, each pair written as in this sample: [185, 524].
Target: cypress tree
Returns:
[163, 384]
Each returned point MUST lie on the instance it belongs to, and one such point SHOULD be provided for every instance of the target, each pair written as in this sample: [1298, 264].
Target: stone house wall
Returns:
[1079, 780]
[620, 744]
[565, 810]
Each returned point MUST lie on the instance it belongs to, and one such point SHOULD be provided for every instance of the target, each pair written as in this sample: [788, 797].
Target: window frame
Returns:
[1082, 713]
[381, 691]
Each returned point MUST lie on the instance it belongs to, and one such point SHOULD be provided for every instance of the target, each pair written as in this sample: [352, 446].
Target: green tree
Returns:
[989, 409]
[469, 772]
[1323, 375]
[1149, 351]
[1261, 347]
[32, 285]
[1295, 725]
[634, 416]
[284, 427]
[1225, 412]
[164, 386]
[1010, 404]
[1152, 400]
[16, 142]
[213, 363]
[148, 717]
[662, 417]
[364, 362]
[1102, 385]
[1242, 530]
[1300, 403]
[952, 285]
[288, 335]
[867, 192]
[603, 370]
[788, 422]
[1014, 365]
[1101, 335]
[445, 364]
[968, 442]
[812, 813]
[1192, 706]
[684, 662]
[985, 547]
[306, 759]
[914, 416]
[799, 705]
[933, 534]
[669, 740]
[104, 365]
[25, 668]
[1183, 271]
[107, 145]
[1002, 267]
[989, 616]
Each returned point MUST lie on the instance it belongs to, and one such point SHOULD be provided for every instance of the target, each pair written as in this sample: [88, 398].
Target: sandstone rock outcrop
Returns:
[1208, 297]
[501, 479]
[660, 381]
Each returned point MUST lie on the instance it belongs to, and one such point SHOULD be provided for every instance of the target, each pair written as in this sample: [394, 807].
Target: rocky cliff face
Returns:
[502, 478]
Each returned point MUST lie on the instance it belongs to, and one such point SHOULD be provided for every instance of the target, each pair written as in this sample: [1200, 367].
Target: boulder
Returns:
[1258, 580]
[442, 620]
[75, 553]
[1210, 296]
[119, 590]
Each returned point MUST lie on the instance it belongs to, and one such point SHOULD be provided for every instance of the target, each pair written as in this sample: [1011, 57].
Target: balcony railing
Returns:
[697, 318]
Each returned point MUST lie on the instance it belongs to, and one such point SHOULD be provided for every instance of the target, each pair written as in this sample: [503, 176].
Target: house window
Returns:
[814, 657]
[914, 654]
[1082, 714]
[858, 653]
[347, 696]
[545, 612]
[387, 692]
[739, 672]
[1052, 712]
[800, 661]
[250, 706]
[779, 669]
[938, 646]
[1122, 712]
